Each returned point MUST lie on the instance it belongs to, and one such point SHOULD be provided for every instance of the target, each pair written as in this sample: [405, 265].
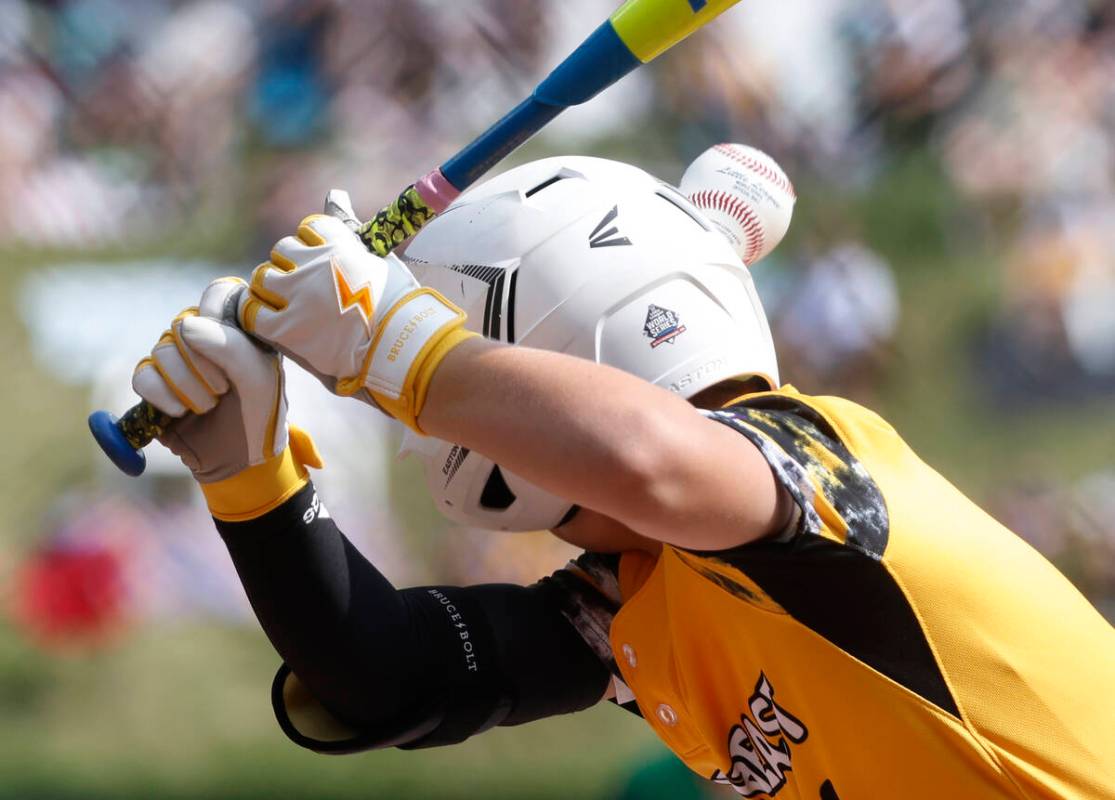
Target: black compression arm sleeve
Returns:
[417, 667]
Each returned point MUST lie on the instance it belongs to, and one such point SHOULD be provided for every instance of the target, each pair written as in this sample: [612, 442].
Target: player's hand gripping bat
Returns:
[634, 35]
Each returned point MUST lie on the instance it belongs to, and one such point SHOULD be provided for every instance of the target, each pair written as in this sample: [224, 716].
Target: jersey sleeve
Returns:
[836, 496]
[833, 574]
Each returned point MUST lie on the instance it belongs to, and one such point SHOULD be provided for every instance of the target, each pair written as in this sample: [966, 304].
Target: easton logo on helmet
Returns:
[453, 462]
[610, 237]
[662, 325]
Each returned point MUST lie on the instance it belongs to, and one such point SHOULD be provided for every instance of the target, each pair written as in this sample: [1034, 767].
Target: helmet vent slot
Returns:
[545, 183]
[678, 201]
[497, 495]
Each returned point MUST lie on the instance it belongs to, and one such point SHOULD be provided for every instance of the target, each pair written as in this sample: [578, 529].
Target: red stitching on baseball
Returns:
[753, 233]
[777, 177]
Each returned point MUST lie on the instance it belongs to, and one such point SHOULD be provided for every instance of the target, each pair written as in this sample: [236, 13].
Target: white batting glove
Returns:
[361, 323]
[227, 393]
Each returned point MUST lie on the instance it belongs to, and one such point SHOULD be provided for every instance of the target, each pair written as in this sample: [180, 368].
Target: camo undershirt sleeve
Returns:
[590, 598]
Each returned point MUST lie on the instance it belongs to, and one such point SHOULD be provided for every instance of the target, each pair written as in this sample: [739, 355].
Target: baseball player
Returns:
[794, 602]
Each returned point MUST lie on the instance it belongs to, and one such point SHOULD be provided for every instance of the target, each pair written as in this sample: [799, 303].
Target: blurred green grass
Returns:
[183, 712]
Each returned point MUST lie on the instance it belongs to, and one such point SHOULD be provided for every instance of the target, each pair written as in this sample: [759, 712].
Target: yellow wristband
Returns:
[264, 487]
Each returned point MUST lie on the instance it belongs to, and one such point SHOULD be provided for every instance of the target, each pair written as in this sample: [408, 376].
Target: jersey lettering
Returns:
[760, 745]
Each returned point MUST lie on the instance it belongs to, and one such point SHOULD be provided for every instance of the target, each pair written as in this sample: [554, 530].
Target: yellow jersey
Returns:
[897, 643]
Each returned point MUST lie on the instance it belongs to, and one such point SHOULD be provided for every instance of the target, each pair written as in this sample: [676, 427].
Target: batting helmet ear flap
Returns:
[496, 494]
[469, 489]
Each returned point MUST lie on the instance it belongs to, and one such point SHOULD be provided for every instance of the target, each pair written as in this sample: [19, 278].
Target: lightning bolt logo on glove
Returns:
[388, 357]
[347, 299]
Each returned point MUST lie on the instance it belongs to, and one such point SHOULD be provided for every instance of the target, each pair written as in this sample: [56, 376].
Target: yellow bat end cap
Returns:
[651, 27]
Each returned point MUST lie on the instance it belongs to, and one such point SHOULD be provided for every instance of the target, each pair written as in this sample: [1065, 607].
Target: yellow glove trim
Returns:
[276, 404]
[281, 262]
[422, 372]
[153, 362]
[276, 302]
[306, 232]
[352, 385]
[304, 449]
[408, 407]
[187, 359]
[248, 314]
[264, 487]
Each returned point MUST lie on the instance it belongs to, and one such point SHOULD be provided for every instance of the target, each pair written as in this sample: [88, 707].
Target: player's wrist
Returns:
[416, 334]
[261, 488]
[362, 323]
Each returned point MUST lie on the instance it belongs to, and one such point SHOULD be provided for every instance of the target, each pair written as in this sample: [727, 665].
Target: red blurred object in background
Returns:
[70, 595]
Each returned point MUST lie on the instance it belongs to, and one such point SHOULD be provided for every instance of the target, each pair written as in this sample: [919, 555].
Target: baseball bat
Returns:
[636, 33]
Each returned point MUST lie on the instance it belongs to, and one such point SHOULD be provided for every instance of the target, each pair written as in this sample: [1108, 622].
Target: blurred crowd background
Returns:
[951, 264]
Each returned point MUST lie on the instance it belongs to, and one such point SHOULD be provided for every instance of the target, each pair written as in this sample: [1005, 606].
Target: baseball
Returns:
[745, 194]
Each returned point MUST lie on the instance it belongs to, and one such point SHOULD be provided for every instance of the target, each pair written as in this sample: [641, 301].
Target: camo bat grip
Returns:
[397, 222]
[123, 440]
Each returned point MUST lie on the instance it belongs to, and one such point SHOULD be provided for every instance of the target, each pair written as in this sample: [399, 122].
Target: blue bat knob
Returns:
[115, 444]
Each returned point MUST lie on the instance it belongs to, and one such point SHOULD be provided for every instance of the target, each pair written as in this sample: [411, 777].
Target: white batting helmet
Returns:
[597, 259]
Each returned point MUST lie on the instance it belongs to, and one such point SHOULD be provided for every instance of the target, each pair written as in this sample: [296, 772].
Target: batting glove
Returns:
[227, 392]
[361, 323]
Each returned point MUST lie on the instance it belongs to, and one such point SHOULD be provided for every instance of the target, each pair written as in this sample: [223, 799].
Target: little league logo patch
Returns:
[662, 325]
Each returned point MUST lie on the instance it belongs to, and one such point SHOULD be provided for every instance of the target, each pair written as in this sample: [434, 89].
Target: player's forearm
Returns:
[574, 427]
[419, 667]
[595, 435]
[307, 585]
